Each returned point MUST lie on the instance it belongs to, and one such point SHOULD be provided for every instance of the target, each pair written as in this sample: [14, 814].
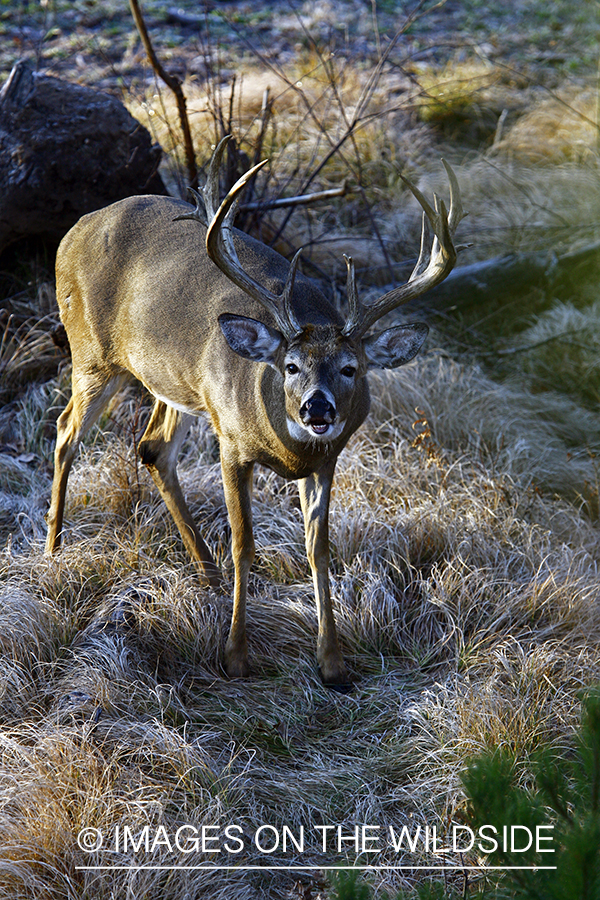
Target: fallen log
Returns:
[511, 275]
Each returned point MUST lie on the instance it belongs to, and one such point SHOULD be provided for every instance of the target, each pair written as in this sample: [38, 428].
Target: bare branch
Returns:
[300, 200]
[174, 84]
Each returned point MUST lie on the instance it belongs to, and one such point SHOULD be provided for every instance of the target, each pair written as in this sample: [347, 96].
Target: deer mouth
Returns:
[319, 427]
[315, 429]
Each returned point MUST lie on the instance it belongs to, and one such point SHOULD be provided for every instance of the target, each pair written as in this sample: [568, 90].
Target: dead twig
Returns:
[172, 82]
[300, 200]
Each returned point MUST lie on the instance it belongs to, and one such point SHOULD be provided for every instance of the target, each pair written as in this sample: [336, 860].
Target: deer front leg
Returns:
[314, 499]
[237, 484]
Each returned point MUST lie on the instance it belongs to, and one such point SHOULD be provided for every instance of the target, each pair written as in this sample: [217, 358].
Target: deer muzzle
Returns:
[318, 413]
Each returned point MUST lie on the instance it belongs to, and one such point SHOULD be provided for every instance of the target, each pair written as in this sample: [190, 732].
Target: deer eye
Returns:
[348, 371]
[292, 369]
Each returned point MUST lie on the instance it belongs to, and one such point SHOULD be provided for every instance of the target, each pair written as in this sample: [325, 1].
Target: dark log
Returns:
[513, 275]
[496, 278]
[65, 150]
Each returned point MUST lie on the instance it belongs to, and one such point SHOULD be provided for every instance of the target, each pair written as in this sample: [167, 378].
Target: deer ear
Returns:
[250, 338]
[395, 346]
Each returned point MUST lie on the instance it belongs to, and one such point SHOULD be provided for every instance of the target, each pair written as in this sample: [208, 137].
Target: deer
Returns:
[211, 320]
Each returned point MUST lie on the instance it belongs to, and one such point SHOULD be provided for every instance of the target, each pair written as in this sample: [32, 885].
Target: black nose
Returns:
[317, 409]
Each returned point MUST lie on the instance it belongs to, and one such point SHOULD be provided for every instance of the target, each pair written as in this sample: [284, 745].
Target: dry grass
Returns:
[310, 109]
[467, 604]
[563, 342]
[27, 350]
[561, 128]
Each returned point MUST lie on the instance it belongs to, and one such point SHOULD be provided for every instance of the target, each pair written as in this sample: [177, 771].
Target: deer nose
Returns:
[317, 410]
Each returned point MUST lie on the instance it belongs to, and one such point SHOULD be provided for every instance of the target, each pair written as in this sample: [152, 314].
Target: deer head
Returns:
[321, 364]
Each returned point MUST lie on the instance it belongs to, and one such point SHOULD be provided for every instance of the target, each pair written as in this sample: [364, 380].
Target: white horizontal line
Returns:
[313, 868]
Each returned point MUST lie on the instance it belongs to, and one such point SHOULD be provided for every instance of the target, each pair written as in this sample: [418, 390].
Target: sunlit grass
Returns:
[467, 606]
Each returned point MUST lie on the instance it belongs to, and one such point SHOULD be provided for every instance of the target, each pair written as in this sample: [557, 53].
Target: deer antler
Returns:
[427, 273]
[221, 249]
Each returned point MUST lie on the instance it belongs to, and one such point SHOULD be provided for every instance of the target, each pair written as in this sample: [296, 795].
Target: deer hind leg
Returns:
[90, 395]
[159, 449]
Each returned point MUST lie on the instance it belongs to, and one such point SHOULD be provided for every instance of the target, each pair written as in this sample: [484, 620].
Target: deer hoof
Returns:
[215, 580]
[334, 675]
[210, 574]
[238, 668]
[236, 663]
[344, 688]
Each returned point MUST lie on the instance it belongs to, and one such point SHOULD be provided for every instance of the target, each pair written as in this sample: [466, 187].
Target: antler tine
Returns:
[437, 217]
[221, 248]
[221, 216]
[207, 201]
[421, 264]
[287, 294]
[210, 191]
[431, 268]
[457, 213]
[199, 214]
[353, 300]
[221, 221]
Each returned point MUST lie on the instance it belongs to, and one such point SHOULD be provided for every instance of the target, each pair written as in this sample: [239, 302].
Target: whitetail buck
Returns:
[211, 320]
